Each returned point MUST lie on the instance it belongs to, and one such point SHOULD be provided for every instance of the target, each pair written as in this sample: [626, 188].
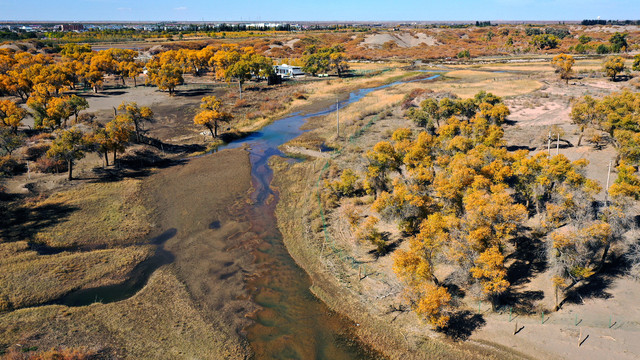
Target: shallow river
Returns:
[292, 322]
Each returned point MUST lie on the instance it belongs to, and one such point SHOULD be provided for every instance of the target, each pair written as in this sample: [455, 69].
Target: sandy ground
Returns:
[403, 40]
[558, 336]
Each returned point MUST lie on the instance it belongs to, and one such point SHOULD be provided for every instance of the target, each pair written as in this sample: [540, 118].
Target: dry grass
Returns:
[160, 322]
[467, 83]
[538, 67]
[99, 214]
[29, 279]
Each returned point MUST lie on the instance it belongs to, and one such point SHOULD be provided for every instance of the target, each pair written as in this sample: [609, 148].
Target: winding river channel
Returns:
[292, 323]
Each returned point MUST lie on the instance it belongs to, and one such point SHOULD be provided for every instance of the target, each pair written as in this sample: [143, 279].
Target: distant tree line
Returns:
[16, 35]
[560, 33]
[610, 22]
[483, 23]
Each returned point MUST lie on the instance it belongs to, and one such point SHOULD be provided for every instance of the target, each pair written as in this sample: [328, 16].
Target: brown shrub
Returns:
[41, 136]
[300, 95]
[241, 103]
[10, 166]
[271, 106]
[50, 166]
[254, 115]
[37, 151]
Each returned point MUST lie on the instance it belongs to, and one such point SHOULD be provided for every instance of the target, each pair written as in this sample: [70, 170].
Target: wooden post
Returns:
[337, 117]
[558, 144]
[579, 337]
[510, 308]
[549, 144]
[515, 329]
[606, 190]
[542, 318]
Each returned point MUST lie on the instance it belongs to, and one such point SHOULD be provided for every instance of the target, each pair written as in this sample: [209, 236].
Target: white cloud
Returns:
[181, 8]
[124, 9]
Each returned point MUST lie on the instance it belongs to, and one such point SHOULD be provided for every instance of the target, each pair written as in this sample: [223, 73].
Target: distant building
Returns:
[288, 71]
[72, 27]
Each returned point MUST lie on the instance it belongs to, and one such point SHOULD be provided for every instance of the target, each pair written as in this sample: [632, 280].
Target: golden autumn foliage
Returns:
[612, 66]
[627, 185]
[346, 186]
[618, 116]
[137, 115]
[563, 64]
[461, 198]
[11, 114]
[489, 269]
[211, 114]
[369, 233]
[432, 303]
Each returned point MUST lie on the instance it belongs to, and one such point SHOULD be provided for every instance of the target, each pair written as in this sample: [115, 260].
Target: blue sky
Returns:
[327, 10]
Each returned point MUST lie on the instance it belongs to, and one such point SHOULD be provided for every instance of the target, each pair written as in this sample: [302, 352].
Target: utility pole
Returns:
[338, 117]
[606, 189]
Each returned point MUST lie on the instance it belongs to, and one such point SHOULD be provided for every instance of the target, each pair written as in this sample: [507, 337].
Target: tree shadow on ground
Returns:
[193, 92]
[462, 324]
[520, 147]
[388, 248]
[24, 222]
[136, 165]
[596, 286]
[523, 302]
[529, 260]
[172, 148]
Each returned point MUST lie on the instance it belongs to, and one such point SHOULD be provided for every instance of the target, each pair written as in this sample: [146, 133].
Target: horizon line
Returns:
[304, 21]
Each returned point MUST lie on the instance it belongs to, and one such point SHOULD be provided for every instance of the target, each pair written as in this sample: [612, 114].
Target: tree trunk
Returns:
[114, 156]
[604, 255]
[581, 135]
[134, 82]
[95, 89]
[76, 121]
[106, 159]
[137, 131]
[240, 87]
[212, 134]
[215, 127]
[435, 280]
[70, 165]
